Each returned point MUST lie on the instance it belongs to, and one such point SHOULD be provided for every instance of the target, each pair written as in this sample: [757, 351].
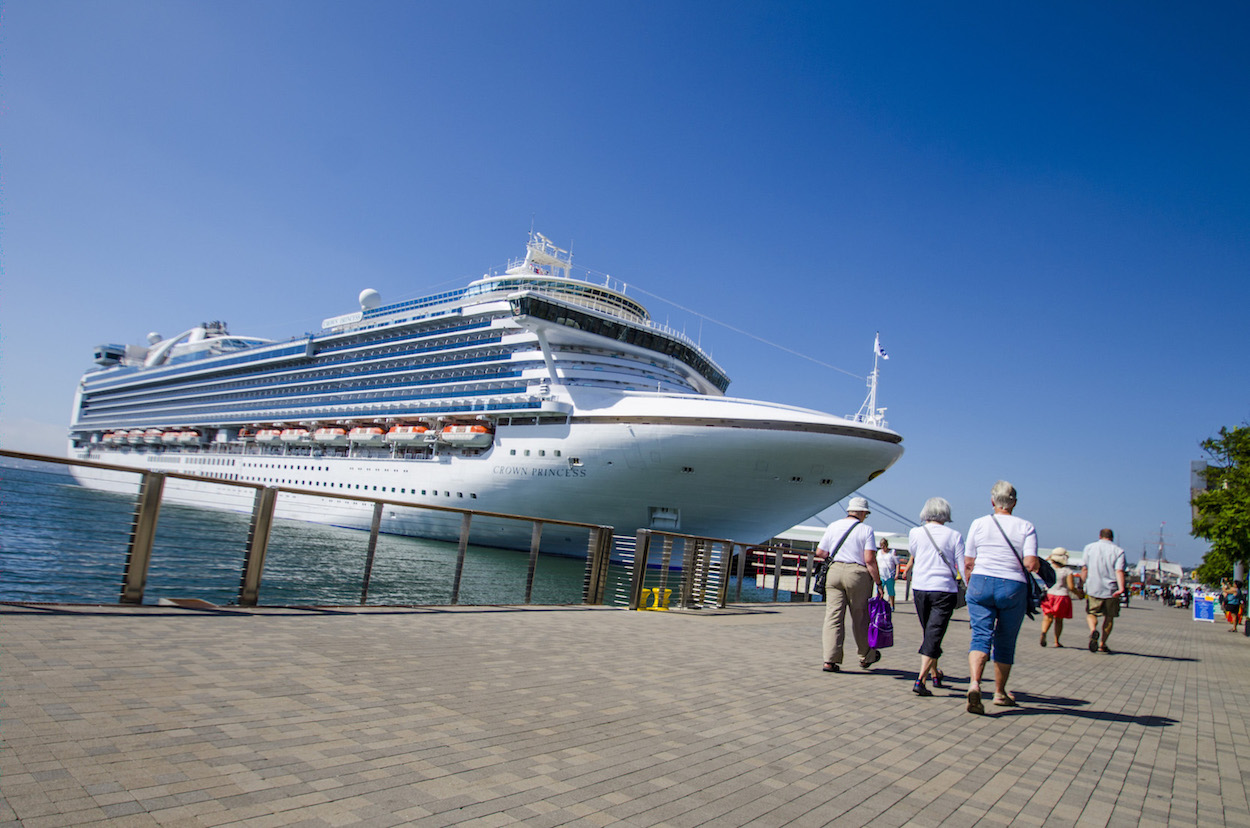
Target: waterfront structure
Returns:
[529, 392]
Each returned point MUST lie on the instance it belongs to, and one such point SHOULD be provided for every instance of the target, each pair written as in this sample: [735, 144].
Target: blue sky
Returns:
[1044, 211]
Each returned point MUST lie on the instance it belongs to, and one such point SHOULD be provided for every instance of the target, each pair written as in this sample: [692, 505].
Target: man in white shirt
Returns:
[1103, 574]
[852, 575]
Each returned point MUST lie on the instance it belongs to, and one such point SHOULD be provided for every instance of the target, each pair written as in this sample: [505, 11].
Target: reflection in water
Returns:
[60, 542]
[63, 543]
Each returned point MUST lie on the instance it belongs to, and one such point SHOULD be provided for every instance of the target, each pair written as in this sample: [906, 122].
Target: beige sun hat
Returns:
[1058, 555]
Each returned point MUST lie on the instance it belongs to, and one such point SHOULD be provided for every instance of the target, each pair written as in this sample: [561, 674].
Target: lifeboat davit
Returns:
[406, 434]
[268, 435]
[332, 436]
[189, 438]
[135, 436]
[365, 434]
[474, 436]
[153, 436]
[294, 435]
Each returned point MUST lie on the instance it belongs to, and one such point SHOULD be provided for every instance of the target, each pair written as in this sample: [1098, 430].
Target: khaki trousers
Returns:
[847, 585]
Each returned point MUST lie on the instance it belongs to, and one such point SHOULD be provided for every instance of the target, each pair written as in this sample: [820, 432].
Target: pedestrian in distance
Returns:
[1103, 574]
[1234, 604]
[852, 577]
[937, 554]
[1057, 605]
[887, 567]
[999, 554]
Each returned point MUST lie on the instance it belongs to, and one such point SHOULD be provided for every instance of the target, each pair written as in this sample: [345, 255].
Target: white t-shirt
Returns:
[1061, 582]
[887, 565]
[862, 539]
[932, 569]
[993, 556]
[1103, 559]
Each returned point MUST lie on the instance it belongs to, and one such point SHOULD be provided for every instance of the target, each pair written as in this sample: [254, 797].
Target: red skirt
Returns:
[1057, 606]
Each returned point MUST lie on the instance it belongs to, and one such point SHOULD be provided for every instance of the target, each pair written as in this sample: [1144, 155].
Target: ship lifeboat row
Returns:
[151, 437]
[334, 435]
[473, 436]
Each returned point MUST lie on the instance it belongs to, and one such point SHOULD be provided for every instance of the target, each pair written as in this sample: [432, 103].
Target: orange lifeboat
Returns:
[268, 435]
[331, 436]
[366, 434]
[294, 435]
[189, 437]
[153, 436]
[475, 436]
[115, 438]
[170, 437]
[135, 436]
[406, 434]
[246, 435]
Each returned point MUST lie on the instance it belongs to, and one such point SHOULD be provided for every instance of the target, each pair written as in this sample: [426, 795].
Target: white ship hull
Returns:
[721, 475]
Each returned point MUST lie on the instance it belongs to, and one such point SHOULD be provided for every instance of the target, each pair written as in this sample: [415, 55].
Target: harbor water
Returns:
[64, 543]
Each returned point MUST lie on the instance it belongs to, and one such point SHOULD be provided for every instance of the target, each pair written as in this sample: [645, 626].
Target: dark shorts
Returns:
[1107, 607]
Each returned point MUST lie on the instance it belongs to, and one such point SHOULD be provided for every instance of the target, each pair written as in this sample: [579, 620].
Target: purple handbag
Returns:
[880, 624]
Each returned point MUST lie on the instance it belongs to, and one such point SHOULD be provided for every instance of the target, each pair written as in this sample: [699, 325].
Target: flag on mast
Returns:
[879, 350]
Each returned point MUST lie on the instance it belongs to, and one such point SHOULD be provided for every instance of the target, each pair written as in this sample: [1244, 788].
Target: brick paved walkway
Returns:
[594, 716]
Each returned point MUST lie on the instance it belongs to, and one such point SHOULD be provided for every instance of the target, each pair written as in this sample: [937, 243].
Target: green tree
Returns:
[1223, 510]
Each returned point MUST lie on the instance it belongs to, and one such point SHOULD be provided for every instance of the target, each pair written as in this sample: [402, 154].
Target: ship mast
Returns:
[868, 412]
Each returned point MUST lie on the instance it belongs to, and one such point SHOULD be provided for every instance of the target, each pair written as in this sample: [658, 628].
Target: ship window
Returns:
[512, 452]
[556, 452]
[527, 452]
[687, 470]
[575, 461]
[473, 496]
[796, 480]
[826, 482]
[459, 494]
[542, 453]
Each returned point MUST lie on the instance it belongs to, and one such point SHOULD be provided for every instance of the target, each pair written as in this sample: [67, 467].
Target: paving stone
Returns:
[597, 716]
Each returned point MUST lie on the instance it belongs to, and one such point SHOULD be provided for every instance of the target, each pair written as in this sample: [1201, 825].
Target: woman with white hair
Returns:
[1000, 551]
[937, 552]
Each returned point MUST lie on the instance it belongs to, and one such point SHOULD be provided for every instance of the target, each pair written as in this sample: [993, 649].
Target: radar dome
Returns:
[370, 299]
[154, 338]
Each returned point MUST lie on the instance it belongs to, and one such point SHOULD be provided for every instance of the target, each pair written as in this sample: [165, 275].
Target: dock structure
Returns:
[548, 716]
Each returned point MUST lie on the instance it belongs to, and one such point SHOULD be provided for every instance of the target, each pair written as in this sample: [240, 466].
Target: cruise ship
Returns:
[533, 392]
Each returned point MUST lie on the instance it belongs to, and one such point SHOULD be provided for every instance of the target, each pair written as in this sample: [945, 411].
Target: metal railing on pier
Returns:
[121, 534]
[145, 526]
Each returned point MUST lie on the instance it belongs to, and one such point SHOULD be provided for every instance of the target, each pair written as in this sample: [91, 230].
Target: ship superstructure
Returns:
[530, 392]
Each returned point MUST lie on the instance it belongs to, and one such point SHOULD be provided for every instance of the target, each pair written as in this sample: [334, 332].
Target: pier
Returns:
[591, 715]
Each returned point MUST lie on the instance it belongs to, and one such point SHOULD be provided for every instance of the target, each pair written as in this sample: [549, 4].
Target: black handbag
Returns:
[1036, 592]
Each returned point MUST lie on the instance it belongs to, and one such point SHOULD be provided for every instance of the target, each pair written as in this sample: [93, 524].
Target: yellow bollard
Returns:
[667, 594]
[646, 595]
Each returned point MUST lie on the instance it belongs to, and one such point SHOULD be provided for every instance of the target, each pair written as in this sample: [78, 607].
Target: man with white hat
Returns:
[852, 575]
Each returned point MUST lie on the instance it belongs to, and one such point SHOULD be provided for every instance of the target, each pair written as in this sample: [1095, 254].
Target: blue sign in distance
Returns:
[1204, 609]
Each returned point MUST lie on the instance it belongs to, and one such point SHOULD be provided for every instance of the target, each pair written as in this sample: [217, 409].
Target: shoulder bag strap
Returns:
[849, 530]
[1013, 547]
[954, 574]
